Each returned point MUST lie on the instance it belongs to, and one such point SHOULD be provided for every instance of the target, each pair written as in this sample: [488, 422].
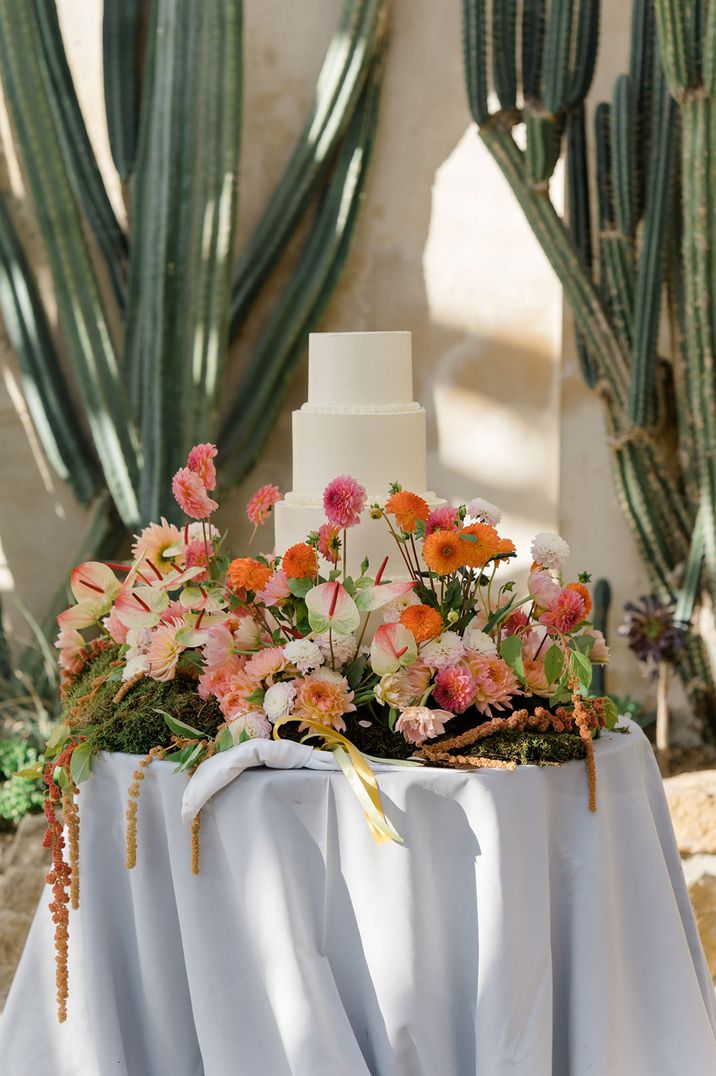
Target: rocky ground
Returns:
[690, 789]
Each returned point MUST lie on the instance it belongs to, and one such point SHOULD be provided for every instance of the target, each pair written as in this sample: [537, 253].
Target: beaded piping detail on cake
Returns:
[361, 409]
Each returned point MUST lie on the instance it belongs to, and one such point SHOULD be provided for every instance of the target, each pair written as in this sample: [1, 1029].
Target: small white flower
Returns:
[279, 700]
[137, 656]
[196, 531]
[344, 647]
[549, 550]
[304, 654]
[392, 611]
[254, 724]
[477, 639]
[139, 663]
[446, 650]
[481, 511]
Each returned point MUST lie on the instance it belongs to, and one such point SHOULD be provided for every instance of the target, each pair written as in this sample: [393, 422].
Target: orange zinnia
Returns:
[245, 573]
[300, 562]
[407, 508]
[583, 591]
[487, 546]
[424, 622]
[444, 551]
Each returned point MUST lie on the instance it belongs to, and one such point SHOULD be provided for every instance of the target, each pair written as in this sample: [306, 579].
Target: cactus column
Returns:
[615, 281]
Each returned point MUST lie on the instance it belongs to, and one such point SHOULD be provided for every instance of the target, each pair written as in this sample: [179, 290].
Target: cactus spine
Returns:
[655, 239]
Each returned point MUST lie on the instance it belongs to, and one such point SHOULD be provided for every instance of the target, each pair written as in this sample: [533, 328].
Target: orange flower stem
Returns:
[489, 589]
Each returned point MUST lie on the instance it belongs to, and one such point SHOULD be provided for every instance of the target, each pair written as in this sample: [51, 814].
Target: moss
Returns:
[529, 747]
[132, 725]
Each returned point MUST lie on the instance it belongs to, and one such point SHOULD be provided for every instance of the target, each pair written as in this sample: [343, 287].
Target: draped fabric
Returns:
[513, 932]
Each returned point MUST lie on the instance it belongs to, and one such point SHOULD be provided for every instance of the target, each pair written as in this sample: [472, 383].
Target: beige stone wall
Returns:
[441, 250]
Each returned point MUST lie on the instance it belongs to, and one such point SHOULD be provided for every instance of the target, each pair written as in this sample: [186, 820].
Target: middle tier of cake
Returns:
[375, 445]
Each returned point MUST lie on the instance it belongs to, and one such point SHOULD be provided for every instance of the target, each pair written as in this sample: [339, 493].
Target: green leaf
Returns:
[224, 740]
[58, 737]
[115, 675]
[191, 754]
[364, 565]
[511, 653]
[81, 762]
[584, 643]
[178, 727]
[582, 668]
[256, 696]
[392, 718]
[300, 587]
[30, 773]
[553, 663]
[354, 672]
[611, 713]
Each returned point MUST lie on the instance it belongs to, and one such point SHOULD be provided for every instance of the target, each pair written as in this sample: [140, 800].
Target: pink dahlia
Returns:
[218, 680]
[323, 697]
[201, 462]
[343, 501]
[542, 587]
[190, 494]
[165, 650]
[70, 645]
[265, 663]
[441, 519]
[455, 688]
[419, 723]
[565, 611]
[234, 698]
[259, 507]
[495, 681]
[515, 622]
[329, 542]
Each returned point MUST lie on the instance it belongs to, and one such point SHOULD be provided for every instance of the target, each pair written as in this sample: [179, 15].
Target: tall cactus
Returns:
[172, 285]
[618, 282]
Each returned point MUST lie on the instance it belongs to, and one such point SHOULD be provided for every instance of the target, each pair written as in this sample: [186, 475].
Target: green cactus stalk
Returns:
[649, 244]
[171, 288]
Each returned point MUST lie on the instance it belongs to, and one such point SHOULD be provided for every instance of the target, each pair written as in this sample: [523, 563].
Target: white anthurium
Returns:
[393, 647]
[141, 607]
[331, 608]
[211, 601]
[173, 579]
[370, 598]
[188, 636]
[84, 614]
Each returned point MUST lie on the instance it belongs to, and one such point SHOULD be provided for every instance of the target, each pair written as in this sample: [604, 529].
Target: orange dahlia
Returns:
[245, 573]
[444, 552]
[300, 562]
[408, 509]
[583, 591]
[424, 622]
[487, 545]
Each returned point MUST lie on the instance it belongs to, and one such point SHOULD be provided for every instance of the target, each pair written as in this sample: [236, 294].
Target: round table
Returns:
[513, 932]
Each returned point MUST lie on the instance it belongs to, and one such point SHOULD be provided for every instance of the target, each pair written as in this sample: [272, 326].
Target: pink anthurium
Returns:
[141, 607]
[93, 580]
[173, 579]
[84, 614]
[374, 597]
[393, 647]
[331, 608]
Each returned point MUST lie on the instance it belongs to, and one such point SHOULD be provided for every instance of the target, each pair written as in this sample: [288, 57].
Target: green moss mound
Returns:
[530, 748]
[133, 725]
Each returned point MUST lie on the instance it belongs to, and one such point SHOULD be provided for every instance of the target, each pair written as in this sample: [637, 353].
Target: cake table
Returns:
[514, 932]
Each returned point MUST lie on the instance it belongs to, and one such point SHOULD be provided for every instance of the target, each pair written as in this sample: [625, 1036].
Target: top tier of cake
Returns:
[360, 372]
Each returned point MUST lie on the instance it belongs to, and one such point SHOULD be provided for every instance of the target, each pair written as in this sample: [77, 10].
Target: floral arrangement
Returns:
[426, 656]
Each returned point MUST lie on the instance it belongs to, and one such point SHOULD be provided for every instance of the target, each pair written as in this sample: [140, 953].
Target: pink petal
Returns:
[393, 646]
[331, 606]
[374, 597]
[93, 580]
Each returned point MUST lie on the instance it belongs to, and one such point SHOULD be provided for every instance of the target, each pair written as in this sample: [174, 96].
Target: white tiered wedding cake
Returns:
[360, 420]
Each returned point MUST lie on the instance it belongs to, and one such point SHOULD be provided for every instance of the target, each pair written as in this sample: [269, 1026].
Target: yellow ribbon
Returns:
[357, 772]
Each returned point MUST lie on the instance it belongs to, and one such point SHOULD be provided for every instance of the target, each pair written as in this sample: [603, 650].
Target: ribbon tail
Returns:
[366, 792]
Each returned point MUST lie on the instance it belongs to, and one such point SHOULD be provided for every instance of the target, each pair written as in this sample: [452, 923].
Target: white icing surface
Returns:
[360, 409]
[359, 368]
[375, 449]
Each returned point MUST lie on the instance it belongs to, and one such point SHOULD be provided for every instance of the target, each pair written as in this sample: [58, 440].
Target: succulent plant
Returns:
[652, 632]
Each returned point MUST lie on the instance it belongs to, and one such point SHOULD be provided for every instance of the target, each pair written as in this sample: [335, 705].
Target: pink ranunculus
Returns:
[70, 645]
[542, 587]
[455, 688]
[343, 501]
[217, 680]
[565, 611]
[191, 496]
[201, 462]
[195, 555]
[420, 723]
[276, 590]
[117, 630]
[259, 507]
[441, 519]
